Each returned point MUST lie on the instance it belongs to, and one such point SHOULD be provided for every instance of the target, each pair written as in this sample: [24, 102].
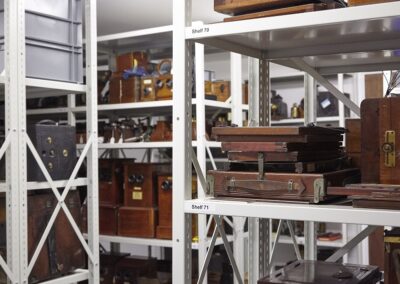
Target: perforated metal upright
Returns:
[17, 143]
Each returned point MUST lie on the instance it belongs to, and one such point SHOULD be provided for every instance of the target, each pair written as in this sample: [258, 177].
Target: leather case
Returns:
[310, 188]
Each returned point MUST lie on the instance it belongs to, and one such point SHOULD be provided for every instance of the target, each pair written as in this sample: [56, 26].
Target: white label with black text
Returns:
[201, 208]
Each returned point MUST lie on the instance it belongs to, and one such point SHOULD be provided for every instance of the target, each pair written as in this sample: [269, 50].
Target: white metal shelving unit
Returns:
[349, 40]
[17, 88]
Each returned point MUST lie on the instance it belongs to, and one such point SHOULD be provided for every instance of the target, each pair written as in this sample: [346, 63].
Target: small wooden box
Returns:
[131, 60]
[111, 182]
[221, 89]
[164, 86]
[130, 269]
[141, 183]
[148, 89]
[137, 222]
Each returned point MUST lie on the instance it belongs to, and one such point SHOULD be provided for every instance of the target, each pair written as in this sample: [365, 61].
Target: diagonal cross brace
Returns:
[61, 204]
[351, 244]
[302, 65]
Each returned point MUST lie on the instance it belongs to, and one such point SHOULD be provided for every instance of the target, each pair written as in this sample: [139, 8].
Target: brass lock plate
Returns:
[389, 149]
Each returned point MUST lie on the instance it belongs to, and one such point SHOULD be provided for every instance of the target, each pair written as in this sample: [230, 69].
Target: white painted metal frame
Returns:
[18, 265]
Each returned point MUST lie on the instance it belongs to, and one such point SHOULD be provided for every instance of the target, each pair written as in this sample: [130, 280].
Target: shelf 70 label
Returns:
[200, 30]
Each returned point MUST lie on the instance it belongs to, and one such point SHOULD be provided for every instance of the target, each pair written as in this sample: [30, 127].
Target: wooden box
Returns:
[161, 132]
[131, 60]
[141, 183]
[221, 89]
[392, 256]
[164, 86]
[111, 182]
[148, 89]
[137, 222]
[380, 136]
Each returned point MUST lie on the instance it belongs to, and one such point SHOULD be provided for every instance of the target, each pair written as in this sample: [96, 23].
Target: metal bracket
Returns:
[389, 149]
[319, 189]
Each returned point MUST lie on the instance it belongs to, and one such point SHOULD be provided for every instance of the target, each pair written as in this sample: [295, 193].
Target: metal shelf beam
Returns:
[296, 212]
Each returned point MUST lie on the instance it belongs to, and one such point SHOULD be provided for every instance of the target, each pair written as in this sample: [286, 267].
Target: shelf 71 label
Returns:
[201, 208]
[200, 30]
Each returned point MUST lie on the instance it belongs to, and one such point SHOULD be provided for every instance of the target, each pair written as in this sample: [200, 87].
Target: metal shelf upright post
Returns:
[17, 89]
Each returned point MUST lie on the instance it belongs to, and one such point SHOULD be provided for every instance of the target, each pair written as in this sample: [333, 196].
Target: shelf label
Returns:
[201, 208]
[200, 30]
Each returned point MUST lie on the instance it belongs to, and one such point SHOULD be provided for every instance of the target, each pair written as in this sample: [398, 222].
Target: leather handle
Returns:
[265, 187]
[47, 122]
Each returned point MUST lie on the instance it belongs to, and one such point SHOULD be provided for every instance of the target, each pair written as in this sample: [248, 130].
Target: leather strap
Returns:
[265, 187]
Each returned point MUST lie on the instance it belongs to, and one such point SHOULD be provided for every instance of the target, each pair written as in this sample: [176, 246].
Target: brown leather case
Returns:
[164, 84]
[111, 182]
[310, 272]
[139, 222]
[129, 269]
[141, 183]
[62, 252]
[380, 129]
[131, 60]
[148, 89]
[221, 89]
[279, 186]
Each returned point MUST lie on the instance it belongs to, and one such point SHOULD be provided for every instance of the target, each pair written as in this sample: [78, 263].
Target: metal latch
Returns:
[319, 190]
[389, 149]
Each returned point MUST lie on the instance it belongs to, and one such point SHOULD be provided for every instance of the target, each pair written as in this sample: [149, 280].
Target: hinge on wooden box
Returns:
[389, 149]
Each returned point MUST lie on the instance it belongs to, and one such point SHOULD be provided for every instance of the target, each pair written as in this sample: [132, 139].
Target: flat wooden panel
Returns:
[366, 2]
[276, 131]
[278, 146]
[306, 156]
[353, 135]
[373, 82]
[236, 7]
[370, 150]
[279, 12]
[137, 222]
[376, 248]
